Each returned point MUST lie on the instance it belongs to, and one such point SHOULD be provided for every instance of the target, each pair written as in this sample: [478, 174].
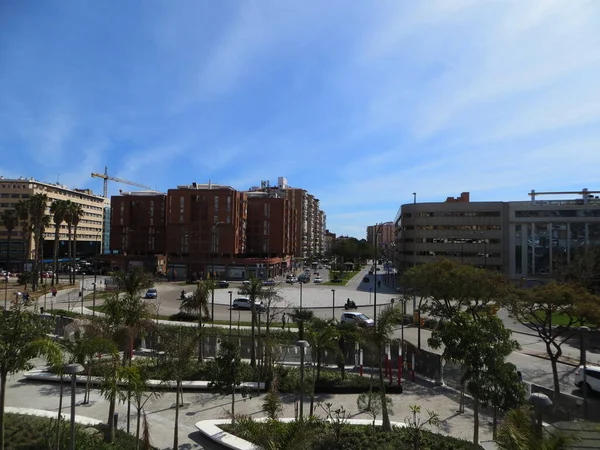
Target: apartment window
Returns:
[4, 195]
[266, 227]
[228, 203]
[216, 204]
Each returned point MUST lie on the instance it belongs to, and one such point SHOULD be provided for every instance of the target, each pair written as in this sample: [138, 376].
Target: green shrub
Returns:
[317, 435]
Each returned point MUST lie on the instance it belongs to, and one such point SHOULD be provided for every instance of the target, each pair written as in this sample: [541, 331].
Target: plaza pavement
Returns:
[205, 405]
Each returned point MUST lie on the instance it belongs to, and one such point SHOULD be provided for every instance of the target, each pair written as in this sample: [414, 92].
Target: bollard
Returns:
[115, 420]
[413, 367]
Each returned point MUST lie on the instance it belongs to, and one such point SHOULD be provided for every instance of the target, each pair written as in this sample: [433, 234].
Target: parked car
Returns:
[223, 284]
[318, 279]
[592, 377]
[357, 318]
[269, 282]
[151, 293]
[291, 280]
[244, 303]
[304, 278]
[246, 282]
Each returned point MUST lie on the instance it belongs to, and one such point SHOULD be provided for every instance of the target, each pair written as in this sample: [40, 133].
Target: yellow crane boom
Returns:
[105, 177]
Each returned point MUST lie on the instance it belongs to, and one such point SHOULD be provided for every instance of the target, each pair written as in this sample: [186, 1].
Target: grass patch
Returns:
[343, 276]
[314, 434]
[560, 319]
[33, 433]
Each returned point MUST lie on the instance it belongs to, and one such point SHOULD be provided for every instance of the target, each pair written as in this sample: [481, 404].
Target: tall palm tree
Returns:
[37, 205]
[74, 216]
[58, 209]
[380, 335]
[198, 303]
[9, 220]
[22, 211]
[254, 291]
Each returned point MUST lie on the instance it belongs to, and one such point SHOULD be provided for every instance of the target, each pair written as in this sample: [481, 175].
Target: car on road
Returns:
[246, 283]
[318, 279]
[151, 293]
[291, 280]
[269, 282]
[244, 303]
[592, 377]
[223, 284]
[304, 278]
[357, 318]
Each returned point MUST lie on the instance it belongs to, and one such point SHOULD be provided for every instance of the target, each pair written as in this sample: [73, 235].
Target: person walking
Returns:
[283, 321]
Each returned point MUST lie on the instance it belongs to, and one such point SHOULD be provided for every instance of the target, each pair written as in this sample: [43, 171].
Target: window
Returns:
[216, 204]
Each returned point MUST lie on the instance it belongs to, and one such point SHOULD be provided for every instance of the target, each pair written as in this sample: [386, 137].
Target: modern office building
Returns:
[89, 233]
[519, 238]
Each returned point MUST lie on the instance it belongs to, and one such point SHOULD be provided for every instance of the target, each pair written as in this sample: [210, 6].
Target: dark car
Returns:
[223, 284]
[269, 282]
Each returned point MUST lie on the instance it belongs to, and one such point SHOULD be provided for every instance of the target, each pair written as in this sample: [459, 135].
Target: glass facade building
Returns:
[520, 239]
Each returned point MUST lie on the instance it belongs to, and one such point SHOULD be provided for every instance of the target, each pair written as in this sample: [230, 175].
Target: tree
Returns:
[416, 424]
[254, 291]
[75, 215]
[22, 211]
[379, 336]
[198, 303]
[450, 287]
[481, 345]
[178, 350]
[322, 336]
[137, 378]
[111, 390]
[58, 209]
[583, 269]
[370, 403]
[225, 375]
[37, 205]
[540, 307]
[23, 336]
[348, 335]
[518, 432]
[272, 404]
[301, 316]
[9, 220]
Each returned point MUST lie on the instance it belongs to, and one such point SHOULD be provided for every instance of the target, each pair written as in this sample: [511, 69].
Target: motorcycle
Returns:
[350, 305]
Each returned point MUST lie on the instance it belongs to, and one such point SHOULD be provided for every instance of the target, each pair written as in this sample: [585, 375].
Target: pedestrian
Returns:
[283, 321]
[520, 375]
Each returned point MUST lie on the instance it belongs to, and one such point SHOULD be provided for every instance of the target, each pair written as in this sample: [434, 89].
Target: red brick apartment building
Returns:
[201, 230]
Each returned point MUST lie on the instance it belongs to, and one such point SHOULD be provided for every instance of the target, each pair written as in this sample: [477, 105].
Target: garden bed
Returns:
[313, 434]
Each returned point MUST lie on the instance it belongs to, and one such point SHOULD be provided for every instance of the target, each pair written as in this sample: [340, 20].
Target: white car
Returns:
[244, 303]
[592, 377]
[357, 318]
[291, 280]
[318, 279]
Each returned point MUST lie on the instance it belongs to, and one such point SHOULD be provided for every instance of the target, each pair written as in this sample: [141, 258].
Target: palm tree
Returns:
[254, 291]
[322, 336]
[348, 336]
[380, 335]
[198, 303]
[37, 205]
[73, 217]
[10, 220]
[22, 211]
[518, 432]
[59, 210]
[301, 317]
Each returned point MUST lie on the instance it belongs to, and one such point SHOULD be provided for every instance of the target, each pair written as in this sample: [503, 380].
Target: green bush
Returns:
[317, 435]
[289, 379]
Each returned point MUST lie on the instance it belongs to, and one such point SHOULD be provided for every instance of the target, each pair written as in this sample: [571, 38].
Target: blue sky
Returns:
[360, 103]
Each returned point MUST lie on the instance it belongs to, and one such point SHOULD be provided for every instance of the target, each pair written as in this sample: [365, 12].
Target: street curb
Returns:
[43, 375]
[537, 355]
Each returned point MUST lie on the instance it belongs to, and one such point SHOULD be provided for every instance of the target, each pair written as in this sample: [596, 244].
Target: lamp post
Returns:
[377, 230]
[230, 309]
[73, 370]
[333, 304]
[414, 243]
[584, 387]
[212, 272]
[302, 345]
[301, 295]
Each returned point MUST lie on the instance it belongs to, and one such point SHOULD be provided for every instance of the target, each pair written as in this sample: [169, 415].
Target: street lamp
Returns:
[333, 304]
[301, 294]
[212, 271]
[73, 370]
[17, 295]
[302, 345]
[230, 309]
[377, 230]
[582, 335]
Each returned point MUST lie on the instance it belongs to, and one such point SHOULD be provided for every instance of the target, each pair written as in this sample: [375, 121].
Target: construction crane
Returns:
[105, 177]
